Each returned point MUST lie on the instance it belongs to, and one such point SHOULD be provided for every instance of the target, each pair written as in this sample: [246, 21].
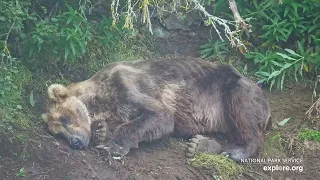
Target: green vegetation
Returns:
[274, 146]
[216, 50]
[216, 164]
[286, 39]
[39, 40]
[21, 173]
[13, 78]
[63, 37]
[309, 135]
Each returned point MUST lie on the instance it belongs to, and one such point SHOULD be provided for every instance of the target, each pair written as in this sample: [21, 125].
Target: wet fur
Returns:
[147, 100]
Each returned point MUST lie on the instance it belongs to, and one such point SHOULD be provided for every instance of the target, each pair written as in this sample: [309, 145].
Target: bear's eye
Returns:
[65, 120]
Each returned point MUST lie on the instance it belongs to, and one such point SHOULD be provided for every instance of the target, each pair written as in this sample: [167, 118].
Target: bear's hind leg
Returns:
[208, 145]
[201, 144]
[247, 110]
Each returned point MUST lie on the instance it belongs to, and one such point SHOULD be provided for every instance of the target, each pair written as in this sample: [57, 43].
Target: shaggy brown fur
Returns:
[147, 100]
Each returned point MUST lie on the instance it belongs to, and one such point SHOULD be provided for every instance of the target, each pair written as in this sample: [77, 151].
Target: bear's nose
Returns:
[76, 143]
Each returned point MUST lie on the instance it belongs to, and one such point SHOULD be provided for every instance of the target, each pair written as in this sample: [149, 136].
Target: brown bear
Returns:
[146, 100]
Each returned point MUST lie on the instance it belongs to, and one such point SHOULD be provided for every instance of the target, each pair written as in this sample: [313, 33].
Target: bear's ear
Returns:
[57, 92]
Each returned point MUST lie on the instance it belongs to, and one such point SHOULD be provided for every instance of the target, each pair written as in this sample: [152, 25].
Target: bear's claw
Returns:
[111, 155]
[99, 129]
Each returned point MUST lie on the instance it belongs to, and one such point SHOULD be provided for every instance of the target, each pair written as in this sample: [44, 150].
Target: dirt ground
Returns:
[52, 159]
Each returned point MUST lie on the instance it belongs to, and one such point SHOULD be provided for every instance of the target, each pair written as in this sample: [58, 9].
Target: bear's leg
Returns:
[201, 144]
[150, 125]
[247, 116]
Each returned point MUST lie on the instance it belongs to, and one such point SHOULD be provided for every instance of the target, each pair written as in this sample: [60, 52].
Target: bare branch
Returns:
[239, 23]
[238, 19]
[232, 36]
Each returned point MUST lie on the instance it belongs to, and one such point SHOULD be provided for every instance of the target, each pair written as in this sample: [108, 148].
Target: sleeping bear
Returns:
[145, 100]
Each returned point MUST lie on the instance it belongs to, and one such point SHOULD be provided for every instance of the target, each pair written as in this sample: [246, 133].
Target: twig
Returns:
[5, 48]
[311, 108]
[315, 104]
[195, 173]
[94, 172]
[54, 7]
[42, 173]
[238, 19]
[314, 94]
[212, 20]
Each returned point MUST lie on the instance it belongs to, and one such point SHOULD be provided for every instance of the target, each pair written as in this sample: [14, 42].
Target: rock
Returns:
[178, 21]
[160, 32]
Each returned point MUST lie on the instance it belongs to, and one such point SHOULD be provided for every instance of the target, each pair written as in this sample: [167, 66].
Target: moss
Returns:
[216, 164]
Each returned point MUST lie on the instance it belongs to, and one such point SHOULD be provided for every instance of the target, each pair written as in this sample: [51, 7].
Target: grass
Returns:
[216, 164]
[309, 135]
[274, 146]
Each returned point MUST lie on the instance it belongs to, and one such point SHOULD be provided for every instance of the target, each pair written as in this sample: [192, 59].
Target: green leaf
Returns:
[285, 56]
[263, 73]
[292, 52]
[82, 47]
[286, 65]
[66, 53]
[72, 48]
[274, 74]
[312, 28]
[276, 63]
[295, 7]
[68, 37]
[69, 19]
[300, 47]
[272, 83]
[283, 122]
[21, 173]
[31, 99]
[286, 11]
[278, 83]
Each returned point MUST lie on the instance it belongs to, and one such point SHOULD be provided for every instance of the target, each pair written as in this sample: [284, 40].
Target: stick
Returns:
[195, 173]
[94, 172]
[238, 19]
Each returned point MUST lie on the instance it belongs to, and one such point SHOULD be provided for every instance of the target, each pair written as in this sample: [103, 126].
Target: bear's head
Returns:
[68, 116]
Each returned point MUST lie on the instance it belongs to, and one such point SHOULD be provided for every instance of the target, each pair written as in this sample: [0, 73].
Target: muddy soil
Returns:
[52, 159]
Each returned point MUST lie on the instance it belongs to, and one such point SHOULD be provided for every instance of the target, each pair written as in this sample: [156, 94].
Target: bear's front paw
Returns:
[99, 132]
[114, 150]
